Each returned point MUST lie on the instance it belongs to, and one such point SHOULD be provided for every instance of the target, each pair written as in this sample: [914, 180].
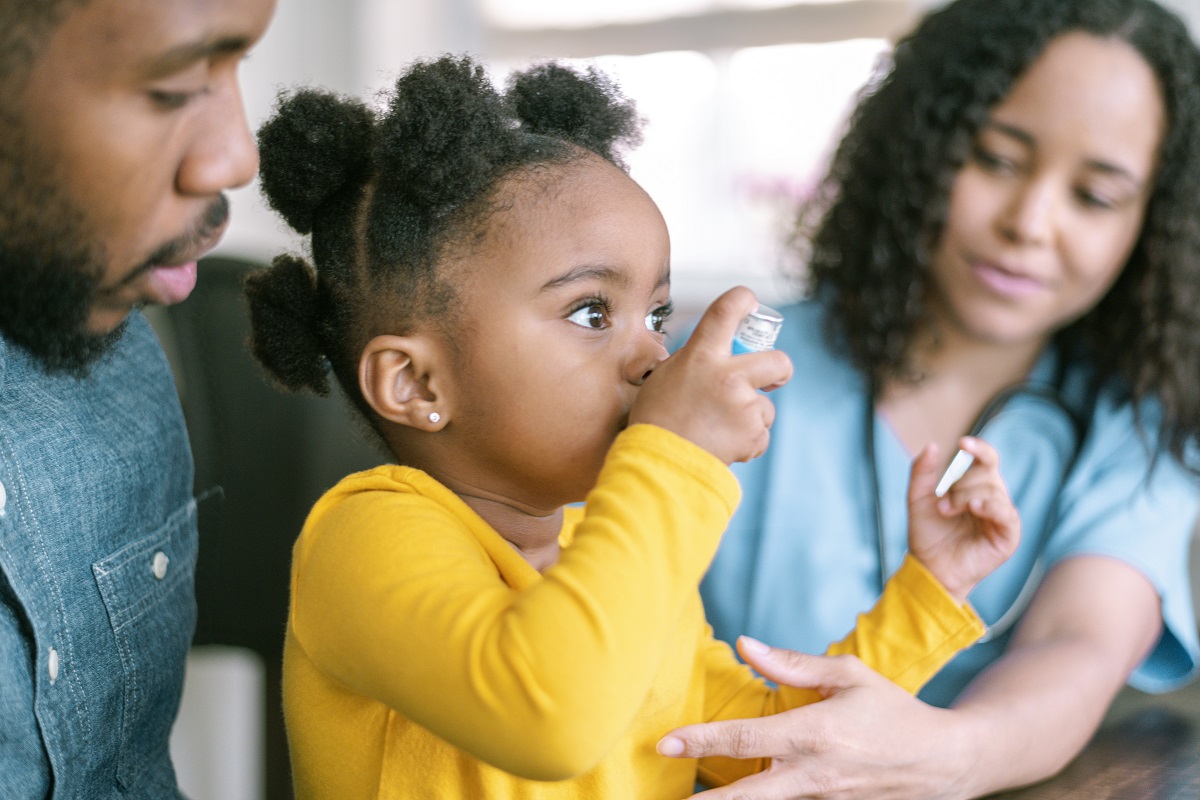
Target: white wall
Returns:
[352, 46]
[358, 46]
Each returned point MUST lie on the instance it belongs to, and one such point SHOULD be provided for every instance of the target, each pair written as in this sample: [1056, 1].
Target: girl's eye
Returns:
[656, 320]
[593, 316]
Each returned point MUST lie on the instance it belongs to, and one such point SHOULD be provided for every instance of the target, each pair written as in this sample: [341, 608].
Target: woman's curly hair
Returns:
[871, 229]
[388, 196]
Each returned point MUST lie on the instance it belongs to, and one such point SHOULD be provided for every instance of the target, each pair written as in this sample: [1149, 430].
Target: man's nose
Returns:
[222, 154]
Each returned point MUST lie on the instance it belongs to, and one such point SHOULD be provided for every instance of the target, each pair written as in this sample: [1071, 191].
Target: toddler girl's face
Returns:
[564, 306]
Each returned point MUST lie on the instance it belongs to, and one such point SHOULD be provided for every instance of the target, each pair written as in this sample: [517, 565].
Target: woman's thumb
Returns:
[796, 669]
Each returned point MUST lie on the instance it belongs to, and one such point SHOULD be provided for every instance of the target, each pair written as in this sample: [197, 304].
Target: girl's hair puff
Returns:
[388, 196]
[882, 206]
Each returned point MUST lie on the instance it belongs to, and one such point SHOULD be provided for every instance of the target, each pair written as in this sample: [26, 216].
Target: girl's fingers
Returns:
[997, 511]
[985, 471]
[923, 477]
[1002, 523]
[962, 494]
[766, 370]
[985, 455]
[983, 465]
[719, 322]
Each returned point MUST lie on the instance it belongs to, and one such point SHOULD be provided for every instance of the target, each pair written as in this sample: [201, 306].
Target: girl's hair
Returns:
[387, 197]
[881, 209]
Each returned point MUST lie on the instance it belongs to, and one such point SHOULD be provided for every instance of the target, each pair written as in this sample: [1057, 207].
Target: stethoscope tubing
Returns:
[994, 407]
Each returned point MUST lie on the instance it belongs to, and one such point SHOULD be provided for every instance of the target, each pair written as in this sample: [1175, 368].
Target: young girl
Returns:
[490, 291]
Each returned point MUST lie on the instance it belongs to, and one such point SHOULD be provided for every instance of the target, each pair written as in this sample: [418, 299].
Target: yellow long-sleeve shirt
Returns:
[425, 658]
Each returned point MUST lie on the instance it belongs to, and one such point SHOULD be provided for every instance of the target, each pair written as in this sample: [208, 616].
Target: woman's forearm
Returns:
[1031, 712]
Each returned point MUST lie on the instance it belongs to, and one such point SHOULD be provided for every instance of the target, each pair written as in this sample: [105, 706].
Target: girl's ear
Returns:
[396, 375]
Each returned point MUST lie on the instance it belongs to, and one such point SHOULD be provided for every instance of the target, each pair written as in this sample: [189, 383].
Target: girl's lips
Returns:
[1003, 282]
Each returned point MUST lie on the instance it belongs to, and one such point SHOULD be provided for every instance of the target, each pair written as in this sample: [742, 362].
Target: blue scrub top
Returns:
[801, 557]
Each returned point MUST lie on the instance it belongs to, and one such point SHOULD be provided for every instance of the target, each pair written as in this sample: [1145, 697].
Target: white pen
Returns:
[959, 465]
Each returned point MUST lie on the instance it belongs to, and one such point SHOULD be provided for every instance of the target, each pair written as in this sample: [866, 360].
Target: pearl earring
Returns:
[435, 417]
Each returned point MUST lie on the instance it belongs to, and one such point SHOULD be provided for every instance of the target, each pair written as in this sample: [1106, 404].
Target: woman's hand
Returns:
[1020, 721]
[709, 396]
[868, 740]
[961, 537]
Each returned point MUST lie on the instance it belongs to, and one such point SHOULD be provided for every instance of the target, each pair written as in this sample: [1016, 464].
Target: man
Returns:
[121, 124]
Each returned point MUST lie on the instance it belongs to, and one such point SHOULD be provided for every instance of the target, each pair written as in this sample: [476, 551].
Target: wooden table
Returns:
[1148, 748]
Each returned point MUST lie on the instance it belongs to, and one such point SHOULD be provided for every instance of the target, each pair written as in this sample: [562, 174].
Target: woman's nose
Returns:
[1029, 216]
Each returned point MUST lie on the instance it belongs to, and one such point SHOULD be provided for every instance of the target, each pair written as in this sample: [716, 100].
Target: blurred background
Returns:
[743, 100]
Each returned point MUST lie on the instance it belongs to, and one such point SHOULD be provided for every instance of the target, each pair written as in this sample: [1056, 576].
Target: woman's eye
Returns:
[993, 163]
[592, 316]
[1094, 200]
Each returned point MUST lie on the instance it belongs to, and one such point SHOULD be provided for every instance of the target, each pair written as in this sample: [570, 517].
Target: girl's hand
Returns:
[709, 396]
[961, 537]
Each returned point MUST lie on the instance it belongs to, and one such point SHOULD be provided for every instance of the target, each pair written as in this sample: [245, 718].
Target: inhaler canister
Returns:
[757, 331]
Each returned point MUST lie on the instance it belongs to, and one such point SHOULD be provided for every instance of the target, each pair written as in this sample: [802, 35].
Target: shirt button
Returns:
[159, 565]
[3, 499]
[52, 665]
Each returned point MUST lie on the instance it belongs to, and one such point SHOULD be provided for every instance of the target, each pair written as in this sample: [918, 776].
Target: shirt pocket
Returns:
[148, 590]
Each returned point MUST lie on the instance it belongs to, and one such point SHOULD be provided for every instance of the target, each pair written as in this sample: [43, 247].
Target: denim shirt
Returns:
[97, 557]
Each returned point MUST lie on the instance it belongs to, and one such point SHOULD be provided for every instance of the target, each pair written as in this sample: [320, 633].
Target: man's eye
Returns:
[172, 100]
[592, 316]
[169, 101]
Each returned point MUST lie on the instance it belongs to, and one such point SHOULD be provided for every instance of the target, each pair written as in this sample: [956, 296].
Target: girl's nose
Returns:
[650, 353]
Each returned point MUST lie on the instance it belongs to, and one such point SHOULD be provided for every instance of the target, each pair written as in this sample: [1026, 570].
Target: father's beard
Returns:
[50, 267]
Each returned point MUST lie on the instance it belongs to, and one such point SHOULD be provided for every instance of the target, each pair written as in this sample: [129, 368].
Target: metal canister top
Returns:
[758, 330]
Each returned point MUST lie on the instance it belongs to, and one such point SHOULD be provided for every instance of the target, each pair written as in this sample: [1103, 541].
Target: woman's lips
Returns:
[1005, 282]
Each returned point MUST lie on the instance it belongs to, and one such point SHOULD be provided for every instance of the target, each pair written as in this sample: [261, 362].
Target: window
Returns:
[744, 100]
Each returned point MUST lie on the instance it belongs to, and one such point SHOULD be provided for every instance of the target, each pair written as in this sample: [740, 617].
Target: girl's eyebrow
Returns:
[601, 272]
[1096, 164]
[586, 272]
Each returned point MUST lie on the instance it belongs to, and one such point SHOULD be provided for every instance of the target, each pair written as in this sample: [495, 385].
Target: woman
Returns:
[1017, 203]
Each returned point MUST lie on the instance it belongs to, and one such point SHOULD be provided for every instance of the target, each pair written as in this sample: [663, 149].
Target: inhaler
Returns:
[757, 331]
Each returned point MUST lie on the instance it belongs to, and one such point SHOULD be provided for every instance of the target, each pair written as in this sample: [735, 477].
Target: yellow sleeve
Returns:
[914, 629]
[395, 598]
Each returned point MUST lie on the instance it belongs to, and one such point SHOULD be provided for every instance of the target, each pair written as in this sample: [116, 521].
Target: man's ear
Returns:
[398, 377]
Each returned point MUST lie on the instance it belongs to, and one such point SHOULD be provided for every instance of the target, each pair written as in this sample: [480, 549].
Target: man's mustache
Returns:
[216, 215]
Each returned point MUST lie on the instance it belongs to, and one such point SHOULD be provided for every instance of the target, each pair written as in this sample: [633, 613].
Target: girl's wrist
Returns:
[951, 583]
